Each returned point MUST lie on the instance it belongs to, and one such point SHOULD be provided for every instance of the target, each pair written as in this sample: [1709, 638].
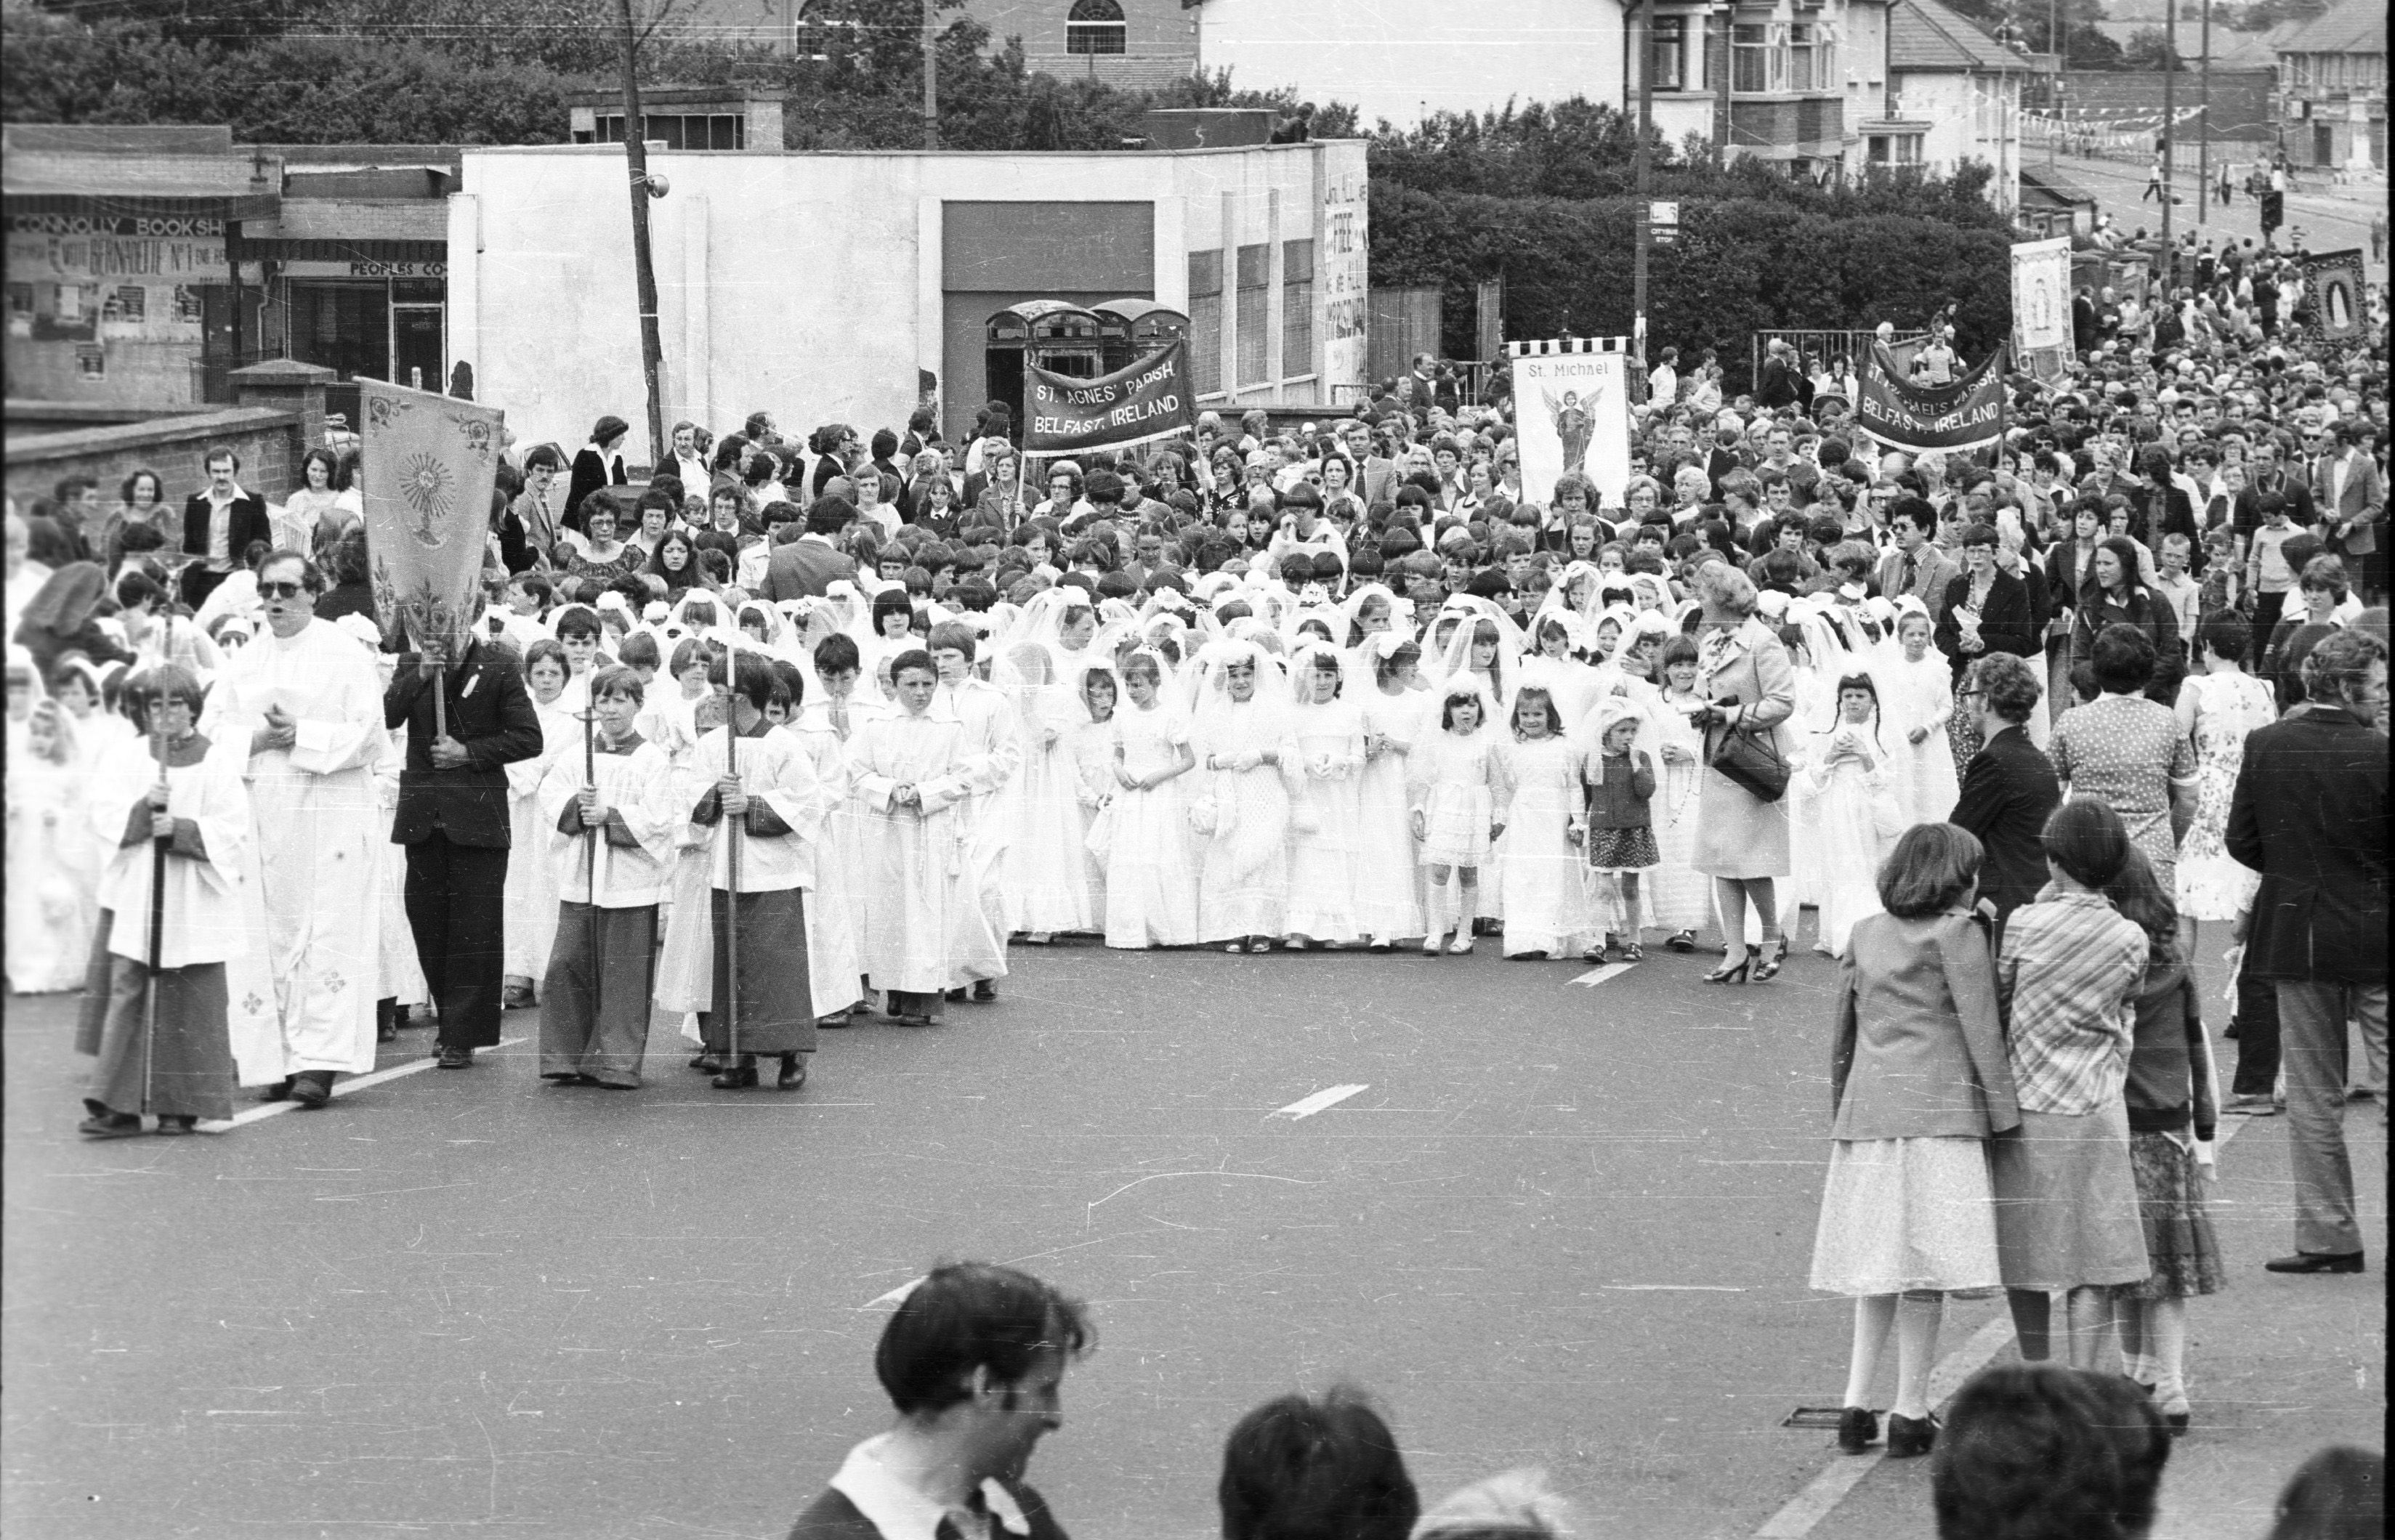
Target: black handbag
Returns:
[1751, 761]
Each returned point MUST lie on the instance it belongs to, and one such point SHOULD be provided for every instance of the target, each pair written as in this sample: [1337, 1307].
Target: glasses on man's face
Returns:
[281, 590]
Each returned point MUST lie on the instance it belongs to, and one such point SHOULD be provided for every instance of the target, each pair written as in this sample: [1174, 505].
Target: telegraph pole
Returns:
[636, 158]
[2170, 123]
[931, 81]
[1639, 171]
[2204, 119]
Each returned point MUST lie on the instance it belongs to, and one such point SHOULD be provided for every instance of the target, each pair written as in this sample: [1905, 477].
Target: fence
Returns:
[1843, 351]
[1402, 322]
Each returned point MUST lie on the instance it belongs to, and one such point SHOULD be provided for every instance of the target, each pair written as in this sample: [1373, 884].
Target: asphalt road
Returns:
[2322, 215]
[1561, 1225]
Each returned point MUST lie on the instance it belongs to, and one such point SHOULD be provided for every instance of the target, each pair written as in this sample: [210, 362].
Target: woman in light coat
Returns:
[1744, 675]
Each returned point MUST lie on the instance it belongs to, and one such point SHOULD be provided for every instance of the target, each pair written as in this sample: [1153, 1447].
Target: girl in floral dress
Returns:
[2218, 705]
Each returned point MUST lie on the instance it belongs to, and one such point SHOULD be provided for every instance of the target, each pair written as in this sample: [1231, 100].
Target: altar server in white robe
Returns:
[179, 1063]
[910, 772]
[608, 820]
[306, 698]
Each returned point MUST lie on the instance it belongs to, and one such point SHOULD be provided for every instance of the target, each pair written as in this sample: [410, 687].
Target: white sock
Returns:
[1874, 1313]
[2166, 1351]
[1917, 1318]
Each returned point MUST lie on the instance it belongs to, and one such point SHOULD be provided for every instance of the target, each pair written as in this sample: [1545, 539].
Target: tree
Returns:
[2148, 48]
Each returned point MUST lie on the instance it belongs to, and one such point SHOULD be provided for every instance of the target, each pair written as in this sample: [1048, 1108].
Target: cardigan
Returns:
[2167, 1090]
[1916, 1051]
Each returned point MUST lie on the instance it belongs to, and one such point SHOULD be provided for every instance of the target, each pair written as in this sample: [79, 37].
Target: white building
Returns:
[1403, 60]
[848, 287]
[1953, 94]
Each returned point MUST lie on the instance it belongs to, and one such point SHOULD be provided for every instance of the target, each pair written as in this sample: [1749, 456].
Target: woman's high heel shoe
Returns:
[1768, 968]
[1734, 973]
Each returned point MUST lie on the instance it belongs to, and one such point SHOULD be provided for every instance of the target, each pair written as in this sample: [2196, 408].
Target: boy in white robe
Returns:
[609, 825]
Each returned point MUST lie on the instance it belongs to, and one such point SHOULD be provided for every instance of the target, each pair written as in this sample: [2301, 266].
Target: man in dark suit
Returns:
[1775, 386]
[453, 819]
[2009, 788]
[219, 523]
[2085, 330]
[2309, 814]
[809, 565]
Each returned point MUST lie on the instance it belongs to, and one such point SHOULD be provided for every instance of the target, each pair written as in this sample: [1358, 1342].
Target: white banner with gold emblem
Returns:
[429, 463]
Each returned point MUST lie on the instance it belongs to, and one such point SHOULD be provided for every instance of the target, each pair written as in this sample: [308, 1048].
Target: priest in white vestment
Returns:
[307, 700]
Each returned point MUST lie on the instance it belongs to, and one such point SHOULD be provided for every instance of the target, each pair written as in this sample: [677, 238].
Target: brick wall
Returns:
[267, 441]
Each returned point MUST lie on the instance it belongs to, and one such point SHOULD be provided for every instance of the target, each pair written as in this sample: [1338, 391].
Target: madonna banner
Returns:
[1571, 412]
[2042, 297]
[1931, 419]
[1151, 398]
[428, 461]
[2336, 281]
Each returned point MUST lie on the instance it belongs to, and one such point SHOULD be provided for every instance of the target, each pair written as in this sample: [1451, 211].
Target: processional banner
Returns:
[429, 462]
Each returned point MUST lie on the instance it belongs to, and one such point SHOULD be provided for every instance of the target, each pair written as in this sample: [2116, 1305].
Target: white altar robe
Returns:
[320, 849]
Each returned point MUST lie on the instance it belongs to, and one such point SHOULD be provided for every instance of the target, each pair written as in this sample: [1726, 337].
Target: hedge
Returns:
[1740, 267]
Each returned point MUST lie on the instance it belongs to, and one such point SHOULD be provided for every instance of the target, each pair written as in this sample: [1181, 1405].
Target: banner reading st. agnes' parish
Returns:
[1926, 418]
[428, 461]
[1150, 400]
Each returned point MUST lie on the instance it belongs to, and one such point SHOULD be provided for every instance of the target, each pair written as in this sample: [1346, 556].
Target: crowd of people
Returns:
[793, 730]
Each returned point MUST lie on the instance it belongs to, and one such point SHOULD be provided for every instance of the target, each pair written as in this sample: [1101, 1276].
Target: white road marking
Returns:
[1308, 1106]
[1826, 1491]
[340, 1088]
[1596, 976]
[1677, 1288]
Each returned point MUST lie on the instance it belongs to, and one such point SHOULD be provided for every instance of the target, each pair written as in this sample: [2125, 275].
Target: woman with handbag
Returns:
[1750, 689]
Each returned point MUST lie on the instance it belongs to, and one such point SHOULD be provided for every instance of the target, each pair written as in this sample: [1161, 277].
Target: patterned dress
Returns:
[2212, 886]
[2125, 750]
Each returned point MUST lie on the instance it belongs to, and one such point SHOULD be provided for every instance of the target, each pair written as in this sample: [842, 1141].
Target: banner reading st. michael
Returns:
[1150, 400]
[429, 462]
[1922, 419]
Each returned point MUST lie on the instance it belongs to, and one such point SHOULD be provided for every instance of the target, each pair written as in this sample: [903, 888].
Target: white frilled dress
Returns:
[1848, 818]
[1677, 895]
[53, 872]
[1151, 865]
[1047, 885]
[1541, 874]
[1388, 878]
[1243, 872]
[1326, 820]
[1919, 696]
[2212, 886]
[1457, 784]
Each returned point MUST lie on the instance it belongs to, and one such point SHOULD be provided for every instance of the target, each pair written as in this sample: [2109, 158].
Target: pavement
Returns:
[1555, 1222]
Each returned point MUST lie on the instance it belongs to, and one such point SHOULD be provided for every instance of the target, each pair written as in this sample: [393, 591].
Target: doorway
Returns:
[418, 349]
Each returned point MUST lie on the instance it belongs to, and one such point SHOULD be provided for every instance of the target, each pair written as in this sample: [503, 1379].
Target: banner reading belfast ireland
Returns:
[1931, 419]
[429, 462]
[1571, 411]
[1150, 400]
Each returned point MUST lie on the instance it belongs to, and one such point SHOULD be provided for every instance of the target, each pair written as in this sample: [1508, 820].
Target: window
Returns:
[1095, 27]
[1812, 62]
[680, 131]
[1206, 321]
[1894, 150]
[1255, 295]
[21, 300]
[1296, 308]
[189, 307]
[1754, 64]
[131, 303]
[92, 362]
[1669, 49]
